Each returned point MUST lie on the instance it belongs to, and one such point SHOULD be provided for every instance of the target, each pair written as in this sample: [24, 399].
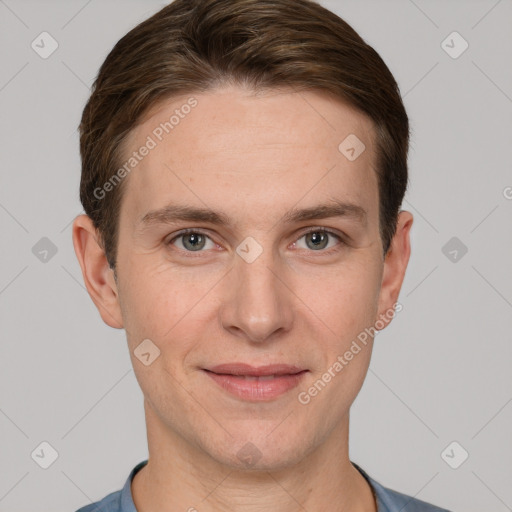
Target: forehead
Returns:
[245, 152]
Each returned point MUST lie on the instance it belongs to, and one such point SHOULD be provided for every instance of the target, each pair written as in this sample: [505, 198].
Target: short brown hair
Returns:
[196, 45]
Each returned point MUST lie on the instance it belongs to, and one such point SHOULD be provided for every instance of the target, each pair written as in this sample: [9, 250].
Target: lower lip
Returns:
[257, 390]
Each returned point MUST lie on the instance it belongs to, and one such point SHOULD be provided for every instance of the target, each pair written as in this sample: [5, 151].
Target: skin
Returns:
[253, 157]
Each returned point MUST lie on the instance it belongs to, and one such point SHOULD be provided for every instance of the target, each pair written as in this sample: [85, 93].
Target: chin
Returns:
[259, 454]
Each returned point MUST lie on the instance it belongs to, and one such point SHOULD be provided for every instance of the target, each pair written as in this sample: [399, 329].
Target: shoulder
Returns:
[118, 501]
[389, 500]
[110, 503]
[392, 501]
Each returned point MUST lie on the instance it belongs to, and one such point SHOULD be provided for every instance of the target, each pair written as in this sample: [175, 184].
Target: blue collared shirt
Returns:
[387, 499]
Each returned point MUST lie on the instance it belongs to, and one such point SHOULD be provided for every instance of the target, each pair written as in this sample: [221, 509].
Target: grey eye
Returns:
[192, 241]
[317, 240]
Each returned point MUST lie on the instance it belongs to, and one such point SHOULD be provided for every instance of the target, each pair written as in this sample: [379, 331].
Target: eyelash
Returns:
[318, 229]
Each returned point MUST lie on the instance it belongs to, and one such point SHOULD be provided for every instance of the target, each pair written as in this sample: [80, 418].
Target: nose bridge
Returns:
[259, 304]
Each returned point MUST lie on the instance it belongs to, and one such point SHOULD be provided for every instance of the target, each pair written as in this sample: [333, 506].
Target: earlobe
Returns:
[395, 265]
[98, 276]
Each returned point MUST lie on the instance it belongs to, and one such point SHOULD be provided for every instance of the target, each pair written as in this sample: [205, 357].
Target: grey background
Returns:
[439, 373]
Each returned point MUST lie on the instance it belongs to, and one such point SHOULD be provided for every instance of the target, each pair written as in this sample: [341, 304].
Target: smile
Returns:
[256, 384]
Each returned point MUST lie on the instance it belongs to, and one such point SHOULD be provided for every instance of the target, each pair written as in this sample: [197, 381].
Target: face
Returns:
[288, 271]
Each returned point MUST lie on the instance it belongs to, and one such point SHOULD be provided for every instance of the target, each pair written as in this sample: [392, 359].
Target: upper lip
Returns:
[255, 371]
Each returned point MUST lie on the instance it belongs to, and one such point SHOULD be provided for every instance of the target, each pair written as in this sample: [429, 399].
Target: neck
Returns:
[180, 476]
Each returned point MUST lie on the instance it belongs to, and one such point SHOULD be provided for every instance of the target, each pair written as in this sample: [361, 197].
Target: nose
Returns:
[257, 303]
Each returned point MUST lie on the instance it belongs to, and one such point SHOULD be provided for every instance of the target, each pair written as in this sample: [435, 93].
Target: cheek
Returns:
[347, 307]
[162, 303]
[345, 299]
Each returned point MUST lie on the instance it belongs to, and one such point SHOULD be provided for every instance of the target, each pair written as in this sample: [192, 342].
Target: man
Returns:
[243, 166]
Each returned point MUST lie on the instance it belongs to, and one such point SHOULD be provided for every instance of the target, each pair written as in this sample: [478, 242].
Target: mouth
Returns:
[263, 383]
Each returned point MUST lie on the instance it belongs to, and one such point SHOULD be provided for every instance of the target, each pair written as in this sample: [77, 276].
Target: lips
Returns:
[246, 370]
[251, 383]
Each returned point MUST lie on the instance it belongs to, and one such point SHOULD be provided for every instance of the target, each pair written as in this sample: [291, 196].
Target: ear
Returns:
[98, 276]
[395, 265]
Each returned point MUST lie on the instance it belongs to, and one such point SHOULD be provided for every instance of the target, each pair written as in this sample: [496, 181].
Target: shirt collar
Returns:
[127, 504]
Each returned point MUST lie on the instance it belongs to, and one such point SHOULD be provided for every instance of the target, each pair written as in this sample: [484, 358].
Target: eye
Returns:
[318, 239]
[192, 241]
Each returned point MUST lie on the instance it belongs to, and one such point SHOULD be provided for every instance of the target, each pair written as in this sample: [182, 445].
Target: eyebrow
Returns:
[175, 213]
